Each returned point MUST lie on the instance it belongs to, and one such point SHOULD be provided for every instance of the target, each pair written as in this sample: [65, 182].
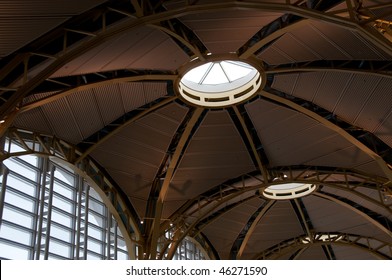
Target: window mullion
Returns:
[3, 189]
[49, 212]
[41, 202]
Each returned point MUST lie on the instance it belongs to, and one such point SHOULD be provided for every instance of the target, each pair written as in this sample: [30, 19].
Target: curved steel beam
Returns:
[303, 242]
[106, 34]
[373, 68]
[119, 128]
[62, 94]
[380, 161]
[260, 165]
[173, 163]
[352, 207]
[243, 238]
[350, 179]
[63, 152]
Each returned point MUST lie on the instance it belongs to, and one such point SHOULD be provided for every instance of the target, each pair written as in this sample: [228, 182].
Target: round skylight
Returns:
[288, 190]
[220, 83]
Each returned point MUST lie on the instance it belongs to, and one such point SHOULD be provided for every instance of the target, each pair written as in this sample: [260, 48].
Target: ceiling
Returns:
[101, 75]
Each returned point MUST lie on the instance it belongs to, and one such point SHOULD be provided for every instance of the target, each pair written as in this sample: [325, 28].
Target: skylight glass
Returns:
[220, 83]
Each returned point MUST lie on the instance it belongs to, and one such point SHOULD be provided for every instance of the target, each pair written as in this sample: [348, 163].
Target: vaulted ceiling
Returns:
[102, 75]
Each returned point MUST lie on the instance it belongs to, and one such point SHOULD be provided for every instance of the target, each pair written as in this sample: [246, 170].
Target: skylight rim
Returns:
[237, 88]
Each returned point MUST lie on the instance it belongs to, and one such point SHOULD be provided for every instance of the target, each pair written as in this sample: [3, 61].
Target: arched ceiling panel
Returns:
[320, 41]
[327, 216]
[227, 30]
[286, 134]
[374, 194]
[139, 48]
[334, 91]
[351, 253]
[223, 231]
[312, 253]
[40, 16]
[215, 153]
[133, 155]
[280, 223]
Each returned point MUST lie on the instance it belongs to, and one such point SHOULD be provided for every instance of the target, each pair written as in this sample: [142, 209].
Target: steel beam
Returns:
[333, 127]
[63, 152]
[91, 143]
[326, 238]
[242, 239]
[373, 68]
[174, 161]
[105, 34]
[383, 223]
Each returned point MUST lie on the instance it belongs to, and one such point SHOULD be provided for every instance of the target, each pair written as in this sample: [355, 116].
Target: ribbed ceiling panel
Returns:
[291, 138]
[335, 91]
[223, 231]
[137, 94]
[39, 16]
[227, 30]
[133, 155]
[62, 121]
[14, 33]
[86, 112]
[109, 102]
[367, 192]
[318, 40]
[33, 120]
[327, 216]
[313, 253]
[278, 224]
[139, 48]
[215, 154]
[351, 253]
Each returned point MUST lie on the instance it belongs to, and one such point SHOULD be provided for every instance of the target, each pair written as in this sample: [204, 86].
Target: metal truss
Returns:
[209, 206]
[92, 142]
[378, 68]
[87, 31]
[304, 242]
[243, 124]
[65, 153]
[162, 181]
[362, 139]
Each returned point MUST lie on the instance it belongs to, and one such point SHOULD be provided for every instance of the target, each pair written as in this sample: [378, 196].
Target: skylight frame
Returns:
[237, 88]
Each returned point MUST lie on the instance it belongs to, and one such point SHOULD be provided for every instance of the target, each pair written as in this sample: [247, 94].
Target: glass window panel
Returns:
[96, 233]
[21, 169]
[95, 219]
[64, 176]
[96, 206]
[61, 218]
[91, 256]
[60, 232]
[21, 185]
[17, 217]
[18, 200]
[13, 233]
[22, 177]
[121, 244]
[94, 246]
[62, 204]
[63, 190]
[13, 252]
[122, 255]
[59, 248]
[31, 159]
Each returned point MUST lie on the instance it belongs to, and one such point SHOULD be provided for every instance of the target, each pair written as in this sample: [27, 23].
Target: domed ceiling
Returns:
[296, 166]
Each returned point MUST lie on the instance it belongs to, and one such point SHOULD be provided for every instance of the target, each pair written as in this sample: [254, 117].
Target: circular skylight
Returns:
[220, 83]
[288, 190]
